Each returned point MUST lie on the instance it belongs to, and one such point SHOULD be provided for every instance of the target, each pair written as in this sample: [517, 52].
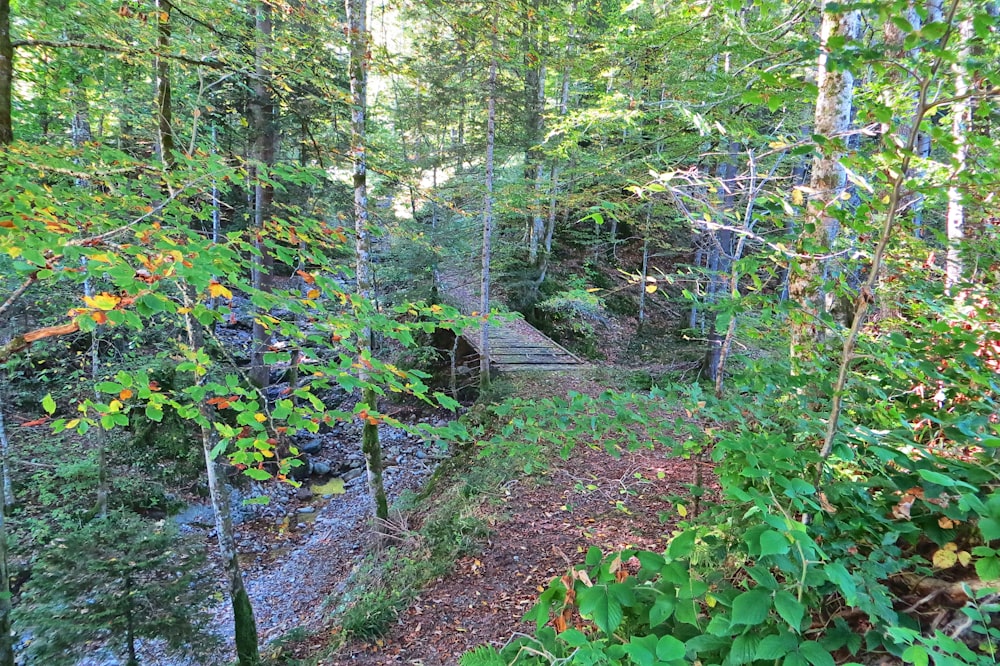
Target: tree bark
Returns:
[6, 75]
[534, 102]
[164, 105]
[484, 294]
[961, 117]
[245, 626]
[832, 118]
[265, 139]
[6, 638]
[358, 40]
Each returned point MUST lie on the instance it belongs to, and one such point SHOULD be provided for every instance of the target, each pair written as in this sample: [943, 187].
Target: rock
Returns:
[303, 494]
[301, 472]
[419, 453]
[312, 446]
[352, 474]
[307, 509]
[321, 468]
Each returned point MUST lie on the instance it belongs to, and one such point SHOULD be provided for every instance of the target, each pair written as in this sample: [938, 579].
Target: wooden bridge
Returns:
[515, 345]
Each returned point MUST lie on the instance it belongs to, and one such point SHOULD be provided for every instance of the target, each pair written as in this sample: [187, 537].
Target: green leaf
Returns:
[988, 568]
[751, 608]
[681, 545]
[776, 646]
[916, 655]
[598, 604]
[989, 527]
[838, 575]
[940, 479]
[661, 610]
[816, 654]
[48, 404]
[257, 474]
[574, 638]
[789, 608]
[642, 650]
[773, 542]
[669, 648]
[154, 413]
[594, 556]
[744, 650]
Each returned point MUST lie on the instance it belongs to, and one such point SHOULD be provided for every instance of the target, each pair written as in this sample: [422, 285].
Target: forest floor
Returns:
[542, 525]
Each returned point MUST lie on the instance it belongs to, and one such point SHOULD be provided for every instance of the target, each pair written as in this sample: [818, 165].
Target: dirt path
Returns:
[548, 524]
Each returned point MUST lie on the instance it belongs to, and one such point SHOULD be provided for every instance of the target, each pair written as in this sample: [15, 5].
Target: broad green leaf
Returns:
[841, 577]
[751, 608]
[642, 650]
[773, 542]
[744, 649]
[989, 527]
[776, 646]
[988, 568]
[48, 404]
[600, 605]
[681, 545]
[789, 608]
[816, 654]
[916, 655]
[669, 648]
[661, 610]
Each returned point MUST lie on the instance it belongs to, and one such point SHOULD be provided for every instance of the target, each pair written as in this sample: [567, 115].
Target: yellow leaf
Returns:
[710, 600]
[681, 509]
[260, 418]
[116, 406]
[946, 523]
[312, 293]
[216, 290]
[845, 195]
[797, 197]
[945, 559]
[650, 288]
[964, 558]
[103, 301]
[72, 423]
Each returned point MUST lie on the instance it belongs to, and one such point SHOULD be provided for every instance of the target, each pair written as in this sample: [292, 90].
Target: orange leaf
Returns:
[216, 290]
[125, 394]
[306, 277]
[36, 422]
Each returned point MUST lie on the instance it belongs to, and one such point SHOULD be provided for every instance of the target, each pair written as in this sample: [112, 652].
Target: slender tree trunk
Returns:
[484, 299]
[99, 434]
[6, 638]
[164, 105]
[6, 75]
[133, 659]
[960, 120]
[262, 111]
[245, 626]
[534, 102]
[358, 39]
[833, 117]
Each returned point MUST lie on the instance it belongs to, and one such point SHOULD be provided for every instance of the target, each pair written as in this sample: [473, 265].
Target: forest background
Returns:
[780, 216]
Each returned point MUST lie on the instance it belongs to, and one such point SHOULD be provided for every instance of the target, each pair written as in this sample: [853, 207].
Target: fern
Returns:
[483, 655]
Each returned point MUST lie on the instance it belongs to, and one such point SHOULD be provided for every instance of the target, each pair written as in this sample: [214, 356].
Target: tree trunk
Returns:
[358, 39]
[960, 119]
[534, 104]
[6, 639]
[164, 105]
[244, 624]
[484, 294]
[262, 111]
[833, 116]
[6, 75]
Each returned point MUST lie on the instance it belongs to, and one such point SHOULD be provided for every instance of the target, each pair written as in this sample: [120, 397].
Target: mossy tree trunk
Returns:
[370, 445]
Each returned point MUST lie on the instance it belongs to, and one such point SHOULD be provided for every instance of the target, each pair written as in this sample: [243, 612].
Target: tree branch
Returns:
[121, 50]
